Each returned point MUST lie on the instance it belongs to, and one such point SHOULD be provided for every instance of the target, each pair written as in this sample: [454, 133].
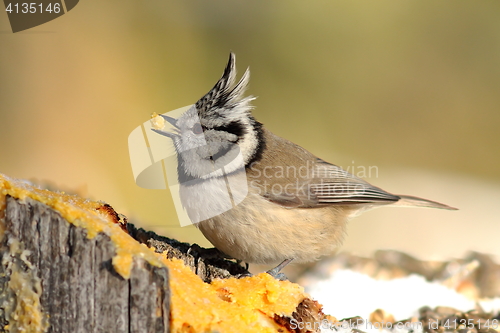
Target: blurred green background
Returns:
[411, 87]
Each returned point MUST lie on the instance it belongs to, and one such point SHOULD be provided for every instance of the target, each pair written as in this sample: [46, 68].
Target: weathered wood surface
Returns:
[80, 291]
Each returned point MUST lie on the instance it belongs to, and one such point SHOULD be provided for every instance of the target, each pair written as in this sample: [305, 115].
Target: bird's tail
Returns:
[409, 201]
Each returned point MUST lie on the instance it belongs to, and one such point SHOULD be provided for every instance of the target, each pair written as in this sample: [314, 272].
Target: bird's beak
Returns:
[171, 120]
[171, 135]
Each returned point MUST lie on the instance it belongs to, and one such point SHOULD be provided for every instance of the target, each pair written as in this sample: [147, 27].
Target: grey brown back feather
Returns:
[321, 184]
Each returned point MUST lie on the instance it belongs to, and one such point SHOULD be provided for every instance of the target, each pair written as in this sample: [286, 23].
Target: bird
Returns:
[257, 197]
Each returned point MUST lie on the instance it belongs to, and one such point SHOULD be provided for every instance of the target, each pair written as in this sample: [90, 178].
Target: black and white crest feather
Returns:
[225, 108]
[226, 99]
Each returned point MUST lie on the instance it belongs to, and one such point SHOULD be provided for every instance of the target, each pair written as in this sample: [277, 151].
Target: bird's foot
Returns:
[277, 275]
[275, 272]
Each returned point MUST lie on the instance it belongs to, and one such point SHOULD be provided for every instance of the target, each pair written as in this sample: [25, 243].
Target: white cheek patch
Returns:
[248, 145]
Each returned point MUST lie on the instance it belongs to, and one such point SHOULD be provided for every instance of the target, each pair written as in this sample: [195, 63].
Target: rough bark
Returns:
[208, 264]
[50, 268]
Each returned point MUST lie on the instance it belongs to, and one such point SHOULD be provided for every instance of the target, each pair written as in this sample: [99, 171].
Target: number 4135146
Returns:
[470, 323]
[32, 8]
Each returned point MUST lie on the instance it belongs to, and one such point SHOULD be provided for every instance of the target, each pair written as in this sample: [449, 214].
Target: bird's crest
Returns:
[226, 99]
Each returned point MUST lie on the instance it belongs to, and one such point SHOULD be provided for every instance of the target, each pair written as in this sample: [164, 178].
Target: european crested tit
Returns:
[257, 197]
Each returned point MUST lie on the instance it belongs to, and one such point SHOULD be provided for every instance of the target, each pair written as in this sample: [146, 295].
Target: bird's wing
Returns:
[334, 185]
[330, 185]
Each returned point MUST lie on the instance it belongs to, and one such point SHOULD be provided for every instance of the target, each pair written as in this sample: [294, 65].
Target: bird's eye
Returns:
[197, 129]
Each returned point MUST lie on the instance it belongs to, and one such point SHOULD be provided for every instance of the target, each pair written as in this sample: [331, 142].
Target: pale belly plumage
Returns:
[259, 231]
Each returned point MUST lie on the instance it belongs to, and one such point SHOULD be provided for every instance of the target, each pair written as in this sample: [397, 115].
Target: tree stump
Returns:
[69, 264]
[53, 276]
